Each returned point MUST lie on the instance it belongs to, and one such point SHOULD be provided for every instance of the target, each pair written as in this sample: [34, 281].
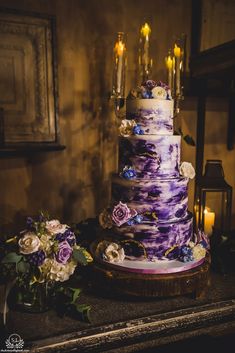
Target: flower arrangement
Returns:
[44, 255]
[118, 215]
[130, 127]
[151, 89]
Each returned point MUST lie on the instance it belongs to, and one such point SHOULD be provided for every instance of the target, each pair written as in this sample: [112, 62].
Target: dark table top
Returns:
[126, 323]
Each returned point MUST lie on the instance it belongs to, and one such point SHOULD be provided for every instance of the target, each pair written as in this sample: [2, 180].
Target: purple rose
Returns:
[149, 84]
[64, 253]
[122, 213]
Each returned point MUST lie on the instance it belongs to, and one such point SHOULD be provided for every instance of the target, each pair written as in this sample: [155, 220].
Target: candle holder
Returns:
[145, 60]
[119, 75]
[213, 200]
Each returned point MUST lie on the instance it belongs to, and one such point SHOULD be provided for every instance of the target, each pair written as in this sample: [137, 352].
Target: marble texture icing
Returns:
[166, 198]
[149, 194]
[155, 116]
[158, 237]
[151, 156]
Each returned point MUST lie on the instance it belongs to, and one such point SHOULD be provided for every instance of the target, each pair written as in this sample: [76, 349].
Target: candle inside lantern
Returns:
[209, 221]
[177, 54]
[119, 52]
[169, 66]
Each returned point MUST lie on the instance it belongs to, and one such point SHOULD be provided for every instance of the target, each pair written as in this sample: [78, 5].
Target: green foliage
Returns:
[12, 257]
[79, 256]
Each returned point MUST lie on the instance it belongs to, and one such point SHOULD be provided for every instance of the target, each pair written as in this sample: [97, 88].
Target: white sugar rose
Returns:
[159, 92]
[29, 243]
[198, 252]
[55, 227]
[187, 170]
[126, 127]
[114, 253]
[105, 219]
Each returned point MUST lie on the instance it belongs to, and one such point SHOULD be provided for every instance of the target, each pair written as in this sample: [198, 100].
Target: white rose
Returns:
[198, 252]
[159, 92]
[114, 253]
[29, 243]
[105, 219]
[55, 227]
[126, 127]
[187, 170]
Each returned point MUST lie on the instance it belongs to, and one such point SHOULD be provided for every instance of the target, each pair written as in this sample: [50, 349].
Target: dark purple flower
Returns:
[37, 258]
[30, 223]
[68, 235]
[149, 84]
[64, 253]
[172, 253]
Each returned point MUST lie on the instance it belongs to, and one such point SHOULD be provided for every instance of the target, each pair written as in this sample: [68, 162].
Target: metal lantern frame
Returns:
[213, 182]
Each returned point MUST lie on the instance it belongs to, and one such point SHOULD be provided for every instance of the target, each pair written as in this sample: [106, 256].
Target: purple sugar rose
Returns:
[64, 253]
[122, 213]
[149, 84]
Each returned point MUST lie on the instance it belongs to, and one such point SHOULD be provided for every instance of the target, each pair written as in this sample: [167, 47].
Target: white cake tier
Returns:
[154, 115]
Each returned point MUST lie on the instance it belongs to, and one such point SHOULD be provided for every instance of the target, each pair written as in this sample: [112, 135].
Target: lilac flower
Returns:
[135, 220]
[186, 254]
[64, 253]
[122, 213]
[137, 130]
[68, 235]
[37, 258]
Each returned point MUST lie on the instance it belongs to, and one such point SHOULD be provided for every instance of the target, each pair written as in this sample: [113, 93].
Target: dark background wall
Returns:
[74, 184]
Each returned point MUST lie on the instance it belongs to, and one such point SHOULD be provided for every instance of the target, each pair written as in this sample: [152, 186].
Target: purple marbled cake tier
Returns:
[158, 237]
[167, 198]
[154, 115]
[151, 156]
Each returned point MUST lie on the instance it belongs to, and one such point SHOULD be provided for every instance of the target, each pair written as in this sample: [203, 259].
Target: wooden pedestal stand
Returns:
[194, 281]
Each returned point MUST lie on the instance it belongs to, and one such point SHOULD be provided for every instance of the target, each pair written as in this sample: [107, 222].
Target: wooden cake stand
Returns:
[108, 278]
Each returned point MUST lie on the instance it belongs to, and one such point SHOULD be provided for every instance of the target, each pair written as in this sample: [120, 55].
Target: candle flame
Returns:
[169, 62]
[119, 48]
[145, 30]
[177, 51]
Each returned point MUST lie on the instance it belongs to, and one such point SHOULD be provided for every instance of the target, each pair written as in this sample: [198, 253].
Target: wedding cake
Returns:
[148, 218]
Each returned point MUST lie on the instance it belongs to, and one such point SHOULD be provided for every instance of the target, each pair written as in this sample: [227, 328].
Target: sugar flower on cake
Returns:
[159, 93]
[126, 127]
[114, 253]
[137, 130]
[105, 219]
[187, 170]
[122, 213]
[128, 173]
[198, 252]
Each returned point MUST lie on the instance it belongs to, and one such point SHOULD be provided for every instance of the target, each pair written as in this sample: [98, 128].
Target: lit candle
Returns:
[119, 50]
[145, 33]
[177, 53]
[169, 66]
[209, 221]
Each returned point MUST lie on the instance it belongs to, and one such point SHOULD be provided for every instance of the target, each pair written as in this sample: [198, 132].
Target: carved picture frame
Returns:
[28, 79]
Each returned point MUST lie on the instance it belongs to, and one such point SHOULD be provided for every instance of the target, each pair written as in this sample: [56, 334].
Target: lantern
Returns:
[212, 210]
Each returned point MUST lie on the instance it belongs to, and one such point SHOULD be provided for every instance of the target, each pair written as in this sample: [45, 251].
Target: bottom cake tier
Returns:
[159, 239]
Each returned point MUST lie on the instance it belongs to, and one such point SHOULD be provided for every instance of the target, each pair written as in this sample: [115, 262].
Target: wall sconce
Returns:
[213, 201]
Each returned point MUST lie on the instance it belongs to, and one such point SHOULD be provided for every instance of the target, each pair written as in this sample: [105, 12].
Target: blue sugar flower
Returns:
[138, 219]
[137, 130]
[128, 173]
[131, 222]
[186, 254]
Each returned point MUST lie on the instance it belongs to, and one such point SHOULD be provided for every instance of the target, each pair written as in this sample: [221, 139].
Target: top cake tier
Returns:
[155, 116]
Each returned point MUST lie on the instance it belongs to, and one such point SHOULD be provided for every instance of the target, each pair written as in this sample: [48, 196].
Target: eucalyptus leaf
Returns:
[84, 311]
[79, 256]
[12, 257]
[23, 267]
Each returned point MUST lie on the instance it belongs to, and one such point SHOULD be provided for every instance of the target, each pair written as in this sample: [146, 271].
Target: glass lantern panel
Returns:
[214, 211]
